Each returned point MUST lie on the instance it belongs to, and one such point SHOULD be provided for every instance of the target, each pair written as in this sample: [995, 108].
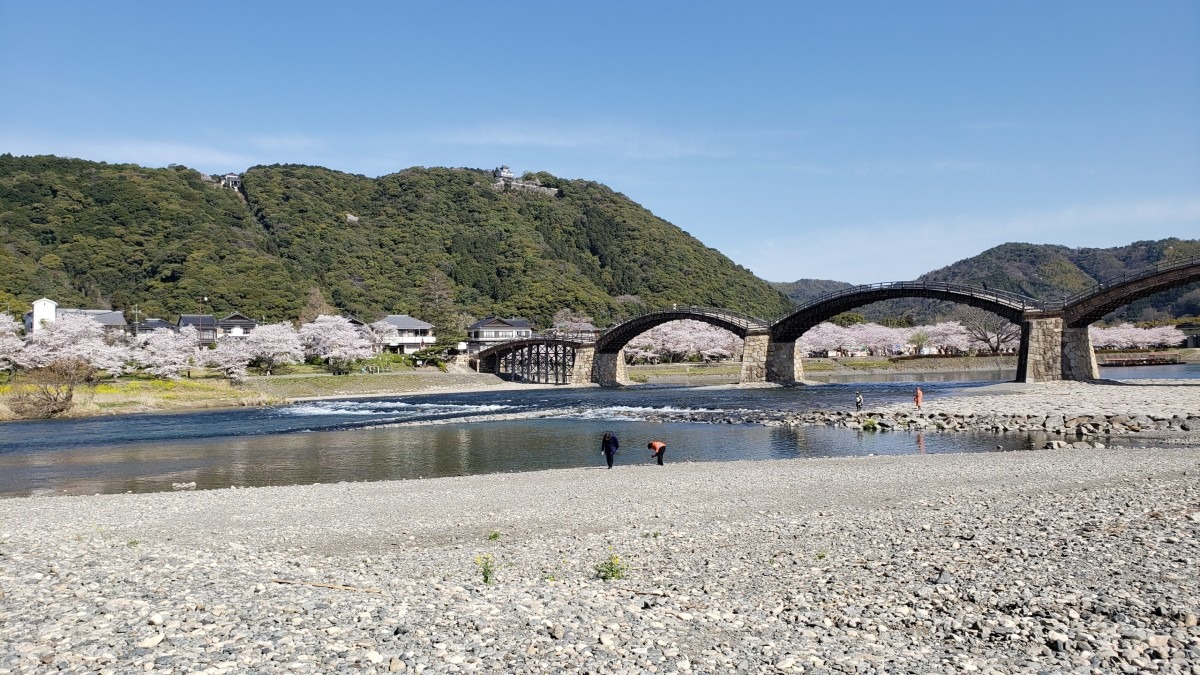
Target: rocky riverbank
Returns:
[1052, 561]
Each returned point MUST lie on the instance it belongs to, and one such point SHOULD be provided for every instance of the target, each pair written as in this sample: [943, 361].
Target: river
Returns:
[430, 435]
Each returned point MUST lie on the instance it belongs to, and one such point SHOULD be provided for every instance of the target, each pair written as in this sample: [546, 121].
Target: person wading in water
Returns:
[608, 447]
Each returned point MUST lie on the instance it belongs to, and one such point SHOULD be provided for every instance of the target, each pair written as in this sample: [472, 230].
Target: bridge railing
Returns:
[729, 315]
[1159, 268]
[1015, 300]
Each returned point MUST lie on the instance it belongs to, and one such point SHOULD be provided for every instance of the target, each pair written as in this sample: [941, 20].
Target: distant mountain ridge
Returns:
[1042, 271]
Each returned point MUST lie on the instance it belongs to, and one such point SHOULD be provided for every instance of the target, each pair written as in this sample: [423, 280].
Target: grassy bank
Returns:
[136, 395]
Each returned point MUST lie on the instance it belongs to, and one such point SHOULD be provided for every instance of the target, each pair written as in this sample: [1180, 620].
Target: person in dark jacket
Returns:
[608, 446]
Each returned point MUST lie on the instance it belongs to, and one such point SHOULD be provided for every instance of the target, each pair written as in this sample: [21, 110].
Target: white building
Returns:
[412, 335]
[46, 311]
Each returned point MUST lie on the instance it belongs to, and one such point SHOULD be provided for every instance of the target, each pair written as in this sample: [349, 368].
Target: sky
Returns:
[860, 142]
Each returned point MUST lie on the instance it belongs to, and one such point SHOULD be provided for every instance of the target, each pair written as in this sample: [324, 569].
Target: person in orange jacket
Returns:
[657, 450]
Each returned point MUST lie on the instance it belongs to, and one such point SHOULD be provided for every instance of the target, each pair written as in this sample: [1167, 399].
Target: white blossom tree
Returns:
[1128, 336]
[335, 340]
[74, 337]
[947, 336]
[382, 333]
[274, 345]
[165, 353]
[684, 340]
[231, 358]
[10, 341]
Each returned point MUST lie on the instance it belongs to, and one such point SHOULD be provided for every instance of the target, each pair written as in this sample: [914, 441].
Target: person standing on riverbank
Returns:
[657, 450]
[608, 447]
[918, 396]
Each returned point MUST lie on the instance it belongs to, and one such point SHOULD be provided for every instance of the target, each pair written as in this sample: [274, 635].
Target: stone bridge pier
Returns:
[755, 347]
[608, 368]
[1051, 350]
[585, 359]
[783, 364]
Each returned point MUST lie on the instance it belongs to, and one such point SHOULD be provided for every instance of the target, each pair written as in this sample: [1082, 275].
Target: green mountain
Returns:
[445, 244]
[1040, 271]
[804, 291]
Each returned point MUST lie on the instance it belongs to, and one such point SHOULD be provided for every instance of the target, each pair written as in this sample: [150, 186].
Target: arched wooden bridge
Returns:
[1054, 334]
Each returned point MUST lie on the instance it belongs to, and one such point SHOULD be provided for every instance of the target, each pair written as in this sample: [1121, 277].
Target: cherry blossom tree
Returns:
[10, 341]
[276, 344]
[683, 340]
[381, 333]
[165, 353]
[947, 336]
[74, 337]
[230, 358]
[824, 338]
[1128, 336]
[335, 340]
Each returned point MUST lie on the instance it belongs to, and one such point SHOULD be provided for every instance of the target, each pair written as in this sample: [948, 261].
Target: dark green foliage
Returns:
[91, 234]
[435, 243]
[407, 242]
[805, 291]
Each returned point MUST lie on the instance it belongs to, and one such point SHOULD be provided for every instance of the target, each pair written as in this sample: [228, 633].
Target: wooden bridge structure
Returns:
[1054, 334]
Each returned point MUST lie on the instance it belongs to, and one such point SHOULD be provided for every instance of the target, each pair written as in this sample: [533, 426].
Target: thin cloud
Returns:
[630, 143]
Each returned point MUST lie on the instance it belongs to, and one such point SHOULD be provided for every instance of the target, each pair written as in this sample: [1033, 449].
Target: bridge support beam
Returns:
[608, 369]
[582, 370]
[783, 364]
[754, 358]
[1052, 351]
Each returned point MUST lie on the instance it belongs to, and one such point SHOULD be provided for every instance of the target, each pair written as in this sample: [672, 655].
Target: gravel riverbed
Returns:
[1043, 562]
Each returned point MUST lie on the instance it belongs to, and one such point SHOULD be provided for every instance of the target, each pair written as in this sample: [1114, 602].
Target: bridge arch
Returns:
[1086, 307]
[541, 360]
[1011, 306]
[614, 339]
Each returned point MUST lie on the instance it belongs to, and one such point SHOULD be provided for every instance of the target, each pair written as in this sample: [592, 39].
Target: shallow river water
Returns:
[453, 434]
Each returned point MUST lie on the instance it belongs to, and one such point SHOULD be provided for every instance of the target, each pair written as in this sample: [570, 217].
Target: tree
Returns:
[231, 358]
[166, 353]
[684, 340]
[848, 319]
[10, 341]
[437, 306]
[315, 305]
[335, 340]
[990, 331]
[73, 337]
[49, 390]
[570, 322]
[274, 345]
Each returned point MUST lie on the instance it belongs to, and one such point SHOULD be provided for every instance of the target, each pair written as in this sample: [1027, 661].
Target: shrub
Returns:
[611, 568]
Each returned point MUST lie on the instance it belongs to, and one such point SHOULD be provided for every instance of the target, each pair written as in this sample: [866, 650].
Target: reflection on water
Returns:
[443, 450]
[369, 439]
[1003, 375]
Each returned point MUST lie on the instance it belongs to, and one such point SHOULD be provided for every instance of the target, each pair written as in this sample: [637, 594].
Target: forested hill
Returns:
[1040, 271]
[303, 240]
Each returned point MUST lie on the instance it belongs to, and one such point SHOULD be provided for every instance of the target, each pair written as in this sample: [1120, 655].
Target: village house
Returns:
[152, 325]
[46, 311]
[493, 330]
[205, 325]
[413, 335]
[236, 326]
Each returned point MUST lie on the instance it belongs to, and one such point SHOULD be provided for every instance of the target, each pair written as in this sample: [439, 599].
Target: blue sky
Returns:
[861, 142]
